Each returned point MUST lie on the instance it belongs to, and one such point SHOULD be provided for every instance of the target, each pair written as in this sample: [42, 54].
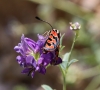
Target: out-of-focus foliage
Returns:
[17, 17]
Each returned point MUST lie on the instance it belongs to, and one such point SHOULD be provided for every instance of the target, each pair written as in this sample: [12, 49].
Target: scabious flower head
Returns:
[31, 56]
[75, 26]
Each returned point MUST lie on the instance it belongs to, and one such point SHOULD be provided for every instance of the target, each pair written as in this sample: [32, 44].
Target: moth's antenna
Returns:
[44, 21]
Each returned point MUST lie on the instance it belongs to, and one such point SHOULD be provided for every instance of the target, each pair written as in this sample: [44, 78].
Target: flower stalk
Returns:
[64, 81]
[74, 40]
[75, 27]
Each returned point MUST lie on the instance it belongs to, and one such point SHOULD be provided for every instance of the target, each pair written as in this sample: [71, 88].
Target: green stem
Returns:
[74, 40]
[64, 77]
[64, 82]
[65, 72]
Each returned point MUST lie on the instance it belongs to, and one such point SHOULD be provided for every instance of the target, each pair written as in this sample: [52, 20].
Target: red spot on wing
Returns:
[51, 47]
[54, 33]
[51, 42]
[51, 36]
[47, 46]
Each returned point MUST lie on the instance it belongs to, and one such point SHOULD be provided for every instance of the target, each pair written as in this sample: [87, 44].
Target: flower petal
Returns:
[42, 69]
[32, 74]
[41, 37]
[56, 61]
[26, 70]
[21, 61]
[29, 59]
[30, 43]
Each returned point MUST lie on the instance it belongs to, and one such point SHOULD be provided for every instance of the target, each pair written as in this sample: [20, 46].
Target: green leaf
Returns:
[66, 56]
[61, 39]
[61, 48]
[46, 87]
[63, 65]
[65, 61]
[72, 61]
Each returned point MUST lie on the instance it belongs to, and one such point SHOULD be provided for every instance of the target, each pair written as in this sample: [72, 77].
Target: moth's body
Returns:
[53, 40]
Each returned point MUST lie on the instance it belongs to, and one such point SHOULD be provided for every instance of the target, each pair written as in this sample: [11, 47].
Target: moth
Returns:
[53, 41]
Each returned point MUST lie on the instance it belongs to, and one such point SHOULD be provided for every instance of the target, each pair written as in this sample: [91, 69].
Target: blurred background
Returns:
[18, 16]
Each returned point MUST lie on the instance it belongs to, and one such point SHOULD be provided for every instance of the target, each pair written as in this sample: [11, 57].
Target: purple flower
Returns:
[31, 56]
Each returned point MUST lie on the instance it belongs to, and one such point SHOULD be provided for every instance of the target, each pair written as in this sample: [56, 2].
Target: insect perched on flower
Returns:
[36, 56]
[53, 41]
